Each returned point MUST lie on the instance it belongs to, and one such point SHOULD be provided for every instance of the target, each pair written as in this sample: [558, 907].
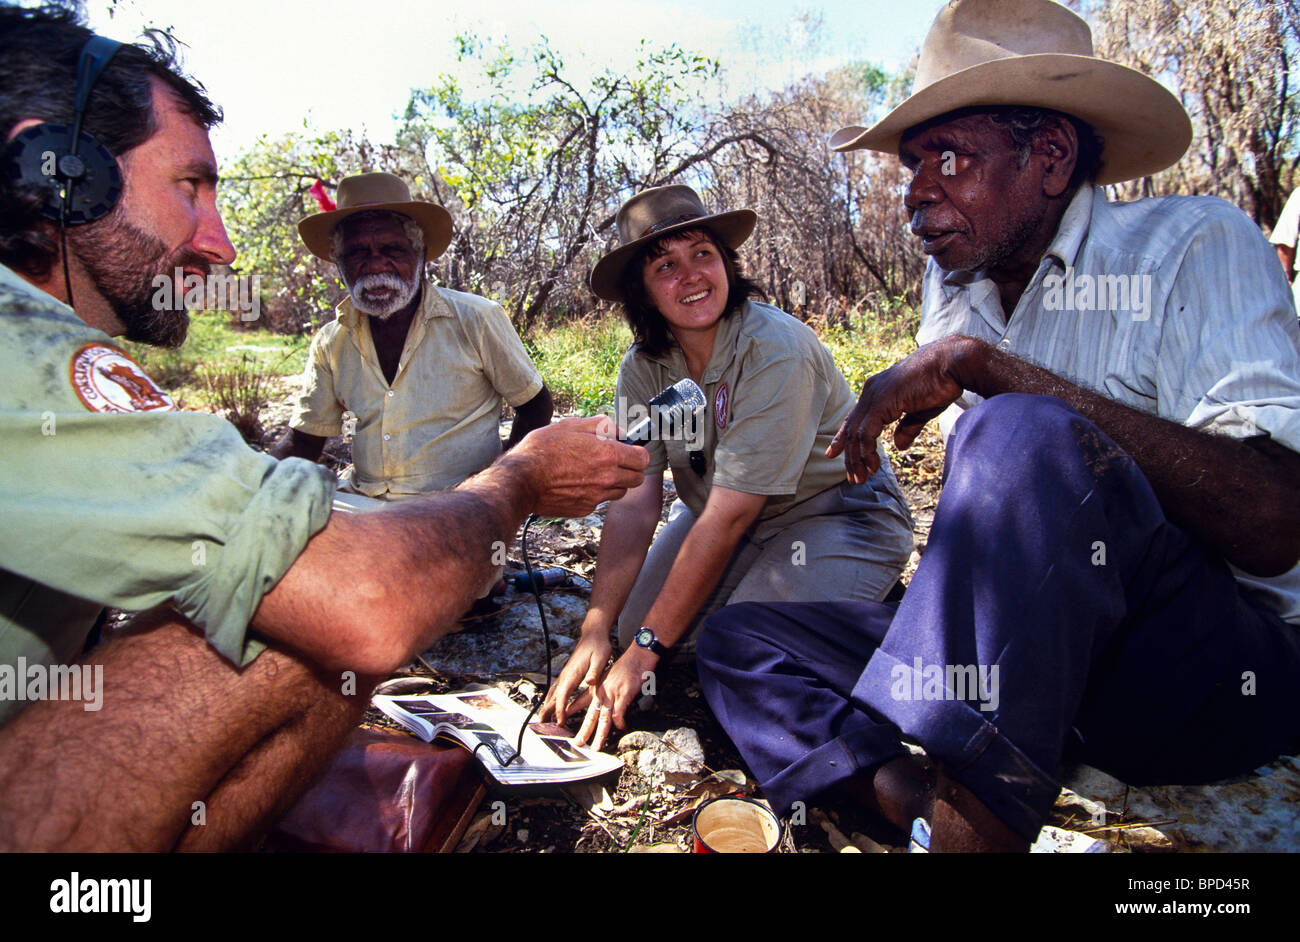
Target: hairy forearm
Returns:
[1239, 499]
[371, 590]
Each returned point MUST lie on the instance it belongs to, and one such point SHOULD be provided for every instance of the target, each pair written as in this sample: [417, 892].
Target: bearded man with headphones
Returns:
[198, 725]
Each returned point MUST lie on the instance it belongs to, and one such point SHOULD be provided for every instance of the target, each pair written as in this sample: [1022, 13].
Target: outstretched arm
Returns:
[370, 590]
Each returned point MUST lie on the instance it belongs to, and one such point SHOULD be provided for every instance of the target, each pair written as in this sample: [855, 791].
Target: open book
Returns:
[487, 722]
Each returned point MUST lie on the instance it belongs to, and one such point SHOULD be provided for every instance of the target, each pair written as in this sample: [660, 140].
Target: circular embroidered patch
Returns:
[107, 380]
[720, 406]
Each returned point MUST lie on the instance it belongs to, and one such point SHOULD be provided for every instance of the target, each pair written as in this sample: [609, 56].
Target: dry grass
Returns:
[239, 391]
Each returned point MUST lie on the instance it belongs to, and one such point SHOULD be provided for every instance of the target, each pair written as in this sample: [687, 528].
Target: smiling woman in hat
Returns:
[762, 514]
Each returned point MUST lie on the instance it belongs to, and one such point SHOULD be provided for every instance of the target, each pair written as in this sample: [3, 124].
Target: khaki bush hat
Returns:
[1035, 53]
[655, 213]
[367, 192]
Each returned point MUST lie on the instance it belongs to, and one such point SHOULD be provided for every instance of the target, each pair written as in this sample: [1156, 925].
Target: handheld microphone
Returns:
[668, 412]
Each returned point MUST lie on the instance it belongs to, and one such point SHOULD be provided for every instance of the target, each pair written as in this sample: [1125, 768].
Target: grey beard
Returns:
[405, 292]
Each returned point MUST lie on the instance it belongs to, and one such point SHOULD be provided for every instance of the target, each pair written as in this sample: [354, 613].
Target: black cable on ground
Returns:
[538, 699]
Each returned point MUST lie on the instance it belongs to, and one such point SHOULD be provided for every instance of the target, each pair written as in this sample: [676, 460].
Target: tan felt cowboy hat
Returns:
[655, 213]
[1036, 53]
[367, 192]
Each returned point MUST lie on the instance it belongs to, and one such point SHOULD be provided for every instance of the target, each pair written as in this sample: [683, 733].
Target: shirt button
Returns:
[1006, 342]
[390, 392]
[386, 437]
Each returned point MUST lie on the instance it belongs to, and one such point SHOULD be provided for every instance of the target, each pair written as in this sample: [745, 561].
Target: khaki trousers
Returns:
[848, 542]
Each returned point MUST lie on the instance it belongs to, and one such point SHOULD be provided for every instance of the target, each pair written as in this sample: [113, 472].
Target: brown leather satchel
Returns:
[385, 792]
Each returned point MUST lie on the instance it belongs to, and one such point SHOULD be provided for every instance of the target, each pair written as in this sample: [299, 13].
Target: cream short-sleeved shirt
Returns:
[1287, 230]
[436, 424]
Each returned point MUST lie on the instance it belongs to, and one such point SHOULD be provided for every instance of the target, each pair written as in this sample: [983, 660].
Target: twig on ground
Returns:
[1129, 826]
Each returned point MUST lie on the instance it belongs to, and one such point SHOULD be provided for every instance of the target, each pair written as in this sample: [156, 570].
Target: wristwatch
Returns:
[645, 638]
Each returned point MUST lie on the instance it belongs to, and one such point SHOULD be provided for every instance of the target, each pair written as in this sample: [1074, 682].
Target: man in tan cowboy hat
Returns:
[1111, 573]
[423, 368]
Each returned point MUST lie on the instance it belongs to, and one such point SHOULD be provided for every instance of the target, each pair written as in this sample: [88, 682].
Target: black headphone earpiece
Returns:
[79, 175]
[81, 184]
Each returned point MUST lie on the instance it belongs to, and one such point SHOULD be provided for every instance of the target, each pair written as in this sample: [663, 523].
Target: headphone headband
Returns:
[94, 56]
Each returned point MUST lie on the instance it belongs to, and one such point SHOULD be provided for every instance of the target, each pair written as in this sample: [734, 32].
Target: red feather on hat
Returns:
[322, 198]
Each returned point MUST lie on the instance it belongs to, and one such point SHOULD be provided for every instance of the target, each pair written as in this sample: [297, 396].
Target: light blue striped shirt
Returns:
[1173, 305]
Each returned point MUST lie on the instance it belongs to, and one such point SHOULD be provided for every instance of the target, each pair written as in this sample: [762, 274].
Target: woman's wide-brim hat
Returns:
[1035, 53]
[374, 192]
[658, 212]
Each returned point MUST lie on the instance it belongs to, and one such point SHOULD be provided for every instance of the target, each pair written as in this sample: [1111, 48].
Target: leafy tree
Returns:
[537, 163]
[1229, 62]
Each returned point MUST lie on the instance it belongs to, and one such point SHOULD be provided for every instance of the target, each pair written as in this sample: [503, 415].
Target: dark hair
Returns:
[650, 333]
[1023, 124]
[39, 50]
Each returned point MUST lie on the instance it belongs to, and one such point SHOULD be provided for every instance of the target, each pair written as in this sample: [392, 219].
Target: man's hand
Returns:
[614, 694]
[573, 465]
[912, 392]
[582, 672]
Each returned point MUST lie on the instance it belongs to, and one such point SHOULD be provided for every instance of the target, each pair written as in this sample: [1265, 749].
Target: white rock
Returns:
[638, 739]
[1255, 812]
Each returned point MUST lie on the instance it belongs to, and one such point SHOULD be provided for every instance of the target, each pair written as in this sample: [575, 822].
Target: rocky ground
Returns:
[676, 755]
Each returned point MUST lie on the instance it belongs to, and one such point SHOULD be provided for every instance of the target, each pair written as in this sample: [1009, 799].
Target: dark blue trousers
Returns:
[1055, 609]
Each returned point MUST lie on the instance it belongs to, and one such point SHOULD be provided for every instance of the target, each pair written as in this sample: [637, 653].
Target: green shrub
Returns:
[580, 362]
[876, 338]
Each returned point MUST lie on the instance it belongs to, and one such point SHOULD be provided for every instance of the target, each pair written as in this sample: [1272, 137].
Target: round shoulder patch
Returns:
[720, 398]
[107, 380]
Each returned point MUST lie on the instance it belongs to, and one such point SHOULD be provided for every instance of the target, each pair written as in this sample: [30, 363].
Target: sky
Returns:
[348, 64]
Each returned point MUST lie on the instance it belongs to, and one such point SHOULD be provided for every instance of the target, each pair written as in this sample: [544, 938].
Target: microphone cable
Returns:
[538, 699]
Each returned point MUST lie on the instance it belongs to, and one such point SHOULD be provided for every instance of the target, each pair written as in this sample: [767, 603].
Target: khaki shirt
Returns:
[108, 496]
[437, 423]
[775, 401]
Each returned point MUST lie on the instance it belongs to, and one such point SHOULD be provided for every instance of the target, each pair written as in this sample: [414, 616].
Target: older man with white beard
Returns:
[423, 368]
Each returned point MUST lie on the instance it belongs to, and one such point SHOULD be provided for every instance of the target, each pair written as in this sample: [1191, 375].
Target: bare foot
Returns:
[963, 824]
[899, 791]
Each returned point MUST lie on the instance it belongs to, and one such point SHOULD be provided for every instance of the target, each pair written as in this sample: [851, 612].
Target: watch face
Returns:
[645, 637]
